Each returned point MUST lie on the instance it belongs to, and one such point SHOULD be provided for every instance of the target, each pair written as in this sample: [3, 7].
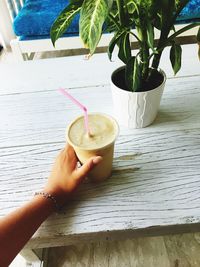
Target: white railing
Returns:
[7, 13]
[14, 6]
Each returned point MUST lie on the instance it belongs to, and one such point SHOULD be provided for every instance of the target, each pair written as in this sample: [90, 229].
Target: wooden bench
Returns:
[25, 48]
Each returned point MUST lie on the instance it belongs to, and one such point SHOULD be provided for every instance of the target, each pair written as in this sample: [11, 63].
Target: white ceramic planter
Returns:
[136, 109]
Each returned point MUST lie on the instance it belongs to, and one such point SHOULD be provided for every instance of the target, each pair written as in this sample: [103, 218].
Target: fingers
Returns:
[68, 148]
[87, 167]
[63, 152]
[68, 151]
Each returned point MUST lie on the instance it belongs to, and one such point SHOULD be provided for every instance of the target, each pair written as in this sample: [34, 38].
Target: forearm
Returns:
[18, 227]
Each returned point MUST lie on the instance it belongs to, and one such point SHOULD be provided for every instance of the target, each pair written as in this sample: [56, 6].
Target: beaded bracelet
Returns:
[52, 198]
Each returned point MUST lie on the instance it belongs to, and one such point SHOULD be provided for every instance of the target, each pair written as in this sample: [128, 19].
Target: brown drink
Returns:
[104, 130]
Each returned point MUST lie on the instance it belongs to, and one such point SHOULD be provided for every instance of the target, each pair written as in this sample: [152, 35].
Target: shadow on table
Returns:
[170, 117]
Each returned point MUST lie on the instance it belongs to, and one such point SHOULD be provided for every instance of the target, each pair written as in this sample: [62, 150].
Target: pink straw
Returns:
[65, 93]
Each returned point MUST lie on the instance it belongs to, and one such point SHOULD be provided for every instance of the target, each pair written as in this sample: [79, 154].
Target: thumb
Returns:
[88, 166]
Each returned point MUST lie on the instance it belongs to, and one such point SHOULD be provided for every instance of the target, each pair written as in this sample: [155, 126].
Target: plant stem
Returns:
[145, 61]
[160, 47]
[120, 6]
[156, 60]
[144, 50]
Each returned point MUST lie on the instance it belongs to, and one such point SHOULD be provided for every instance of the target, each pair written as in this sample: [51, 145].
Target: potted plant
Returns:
[138, 85]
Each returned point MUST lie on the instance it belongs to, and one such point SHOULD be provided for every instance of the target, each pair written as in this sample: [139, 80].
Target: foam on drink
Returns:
[102, 132]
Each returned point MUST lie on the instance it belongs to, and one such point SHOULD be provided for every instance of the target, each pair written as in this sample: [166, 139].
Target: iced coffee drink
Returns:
[100, 142]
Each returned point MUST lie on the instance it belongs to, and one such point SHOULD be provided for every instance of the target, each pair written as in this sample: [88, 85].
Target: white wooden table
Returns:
[155, 186]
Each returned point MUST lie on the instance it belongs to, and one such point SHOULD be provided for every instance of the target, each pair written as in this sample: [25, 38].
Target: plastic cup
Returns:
[104, 131]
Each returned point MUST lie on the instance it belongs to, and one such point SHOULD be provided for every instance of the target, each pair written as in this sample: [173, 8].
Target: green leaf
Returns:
[198, 35]
[157, 23]
[113, 42]
[150, 35]
[175, 57]
[63, 20]
[93, 15]
[198, 41]
[111, 23]
[167, 16]
[154, 8]
[124, 47]
[121, 10]
[167, 7]
[133, 74]
[173, 28]
[131, 6]
[110, 4]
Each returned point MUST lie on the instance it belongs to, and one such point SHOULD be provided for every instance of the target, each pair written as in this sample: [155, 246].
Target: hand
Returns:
[65, 176]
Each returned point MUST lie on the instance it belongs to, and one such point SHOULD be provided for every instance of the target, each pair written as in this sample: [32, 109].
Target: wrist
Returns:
[51, 199]
[57, 193]
[44, 204]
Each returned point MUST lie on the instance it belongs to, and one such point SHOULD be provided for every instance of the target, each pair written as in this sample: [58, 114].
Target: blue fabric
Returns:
[191, 11]
[37, 16]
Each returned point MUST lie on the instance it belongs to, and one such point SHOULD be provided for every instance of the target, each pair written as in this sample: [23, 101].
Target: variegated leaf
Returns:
[124, 47]
[133, 74]
[93, 15]
[63, 20]
[113, 42]
[150, 35]
[175, 57]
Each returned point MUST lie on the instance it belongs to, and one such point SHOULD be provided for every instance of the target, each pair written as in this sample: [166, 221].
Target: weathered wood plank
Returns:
[167, 251]
[130, 253]
[74, 71]
[41, 117]
[183, 250]
[155, 183]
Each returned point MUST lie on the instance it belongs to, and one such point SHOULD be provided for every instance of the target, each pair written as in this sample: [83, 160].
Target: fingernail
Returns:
[97, 160]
